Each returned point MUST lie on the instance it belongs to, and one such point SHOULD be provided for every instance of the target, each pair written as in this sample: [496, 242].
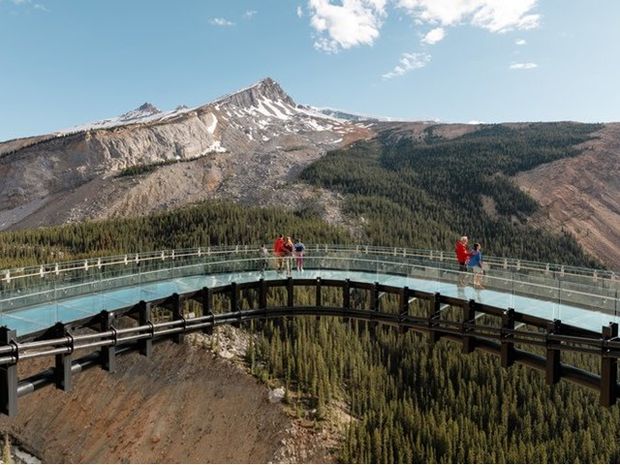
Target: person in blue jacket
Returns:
[476, 264]
[299, 254]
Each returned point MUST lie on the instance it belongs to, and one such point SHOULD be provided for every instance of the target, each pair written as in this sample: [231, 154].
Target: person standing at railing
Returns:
[462, 255]
[287, 253]
[264, 259]
[299, 254]
[476, 264]
[278, 247]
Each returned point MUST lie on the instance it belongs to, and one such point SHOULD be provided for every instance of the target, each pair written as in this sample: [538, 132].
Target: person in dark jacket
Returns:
[299, 254]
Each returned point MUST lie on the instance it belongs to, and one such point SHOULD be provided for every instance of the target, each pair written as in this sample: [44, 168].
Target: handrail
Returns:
[505, 263]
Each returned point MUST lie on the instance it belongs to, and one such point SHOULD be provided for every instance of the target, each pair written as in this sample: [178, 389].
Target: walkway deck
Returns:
[38, 317]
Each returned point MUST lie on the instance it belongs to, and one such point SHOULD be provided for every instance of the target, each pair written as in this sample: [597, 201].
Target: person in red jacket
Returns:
[462, 255]
[278, 249]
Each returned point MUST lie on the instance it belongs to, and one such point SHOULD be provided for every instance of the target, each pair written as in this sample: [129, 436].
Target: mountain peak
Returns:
[266, 88]
[146, 109]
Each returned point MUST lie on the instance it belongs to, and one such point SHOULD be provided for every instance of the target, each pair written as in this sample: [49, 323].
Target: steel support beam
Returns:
[108, 353]
[8, 375]
[207, 308]
[469, 317]
[290, 292]
[434, 316]
[318, 295]
[177, 315]
[403, 309]
[552, 370]
[346, 298]
[609, 369]
[507, 348]
[145, 317]
[62, 367]
[234, 303]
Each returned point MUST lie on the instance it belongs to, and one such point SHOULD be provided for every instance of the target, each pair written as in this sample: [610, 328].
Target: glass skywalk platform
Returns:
[35, 298]
[38, 317]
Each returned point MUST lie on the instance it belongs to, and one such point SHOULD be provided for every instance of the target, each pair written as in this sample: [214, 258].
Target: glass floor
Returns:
[38, 317]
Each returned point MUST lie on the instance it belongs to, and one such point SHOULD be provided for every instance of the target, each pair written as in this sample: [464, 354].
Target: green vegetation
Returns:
[137, 170]
[209, 223]
[412, 402]
[426, 194]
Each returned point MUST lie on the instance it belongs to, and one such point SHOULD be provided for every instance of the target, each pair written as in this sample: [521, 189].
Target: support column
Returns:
[262, 294]
[290, 292]
[62, 368]
[609, 369]
[433, 318]
[207, 309]
[108, 353]
[318, 301]
[403, 307]
[234, 302]
[469, 316]
[177, 314]
[8, 375]
[346, 298]
[374, 303]
[507, 349]
[553, 367]
[145, 346]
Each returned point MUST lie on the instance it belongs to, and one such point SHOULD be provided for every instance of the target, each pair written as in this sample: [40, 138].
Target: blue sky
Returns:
[66, 62]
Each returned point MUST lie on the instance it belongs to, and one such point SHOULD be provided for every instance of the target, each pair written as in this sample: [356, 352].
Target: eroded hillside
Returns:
[581, 195]
[204, 410]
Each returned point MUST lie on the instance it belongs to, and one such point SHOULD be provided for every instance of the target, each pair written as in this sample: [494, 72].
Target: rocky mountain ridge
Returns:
[223, 148]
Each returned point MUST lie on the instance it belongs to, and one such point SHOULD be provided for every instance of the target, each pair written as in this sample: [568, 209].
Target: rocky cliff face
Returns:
[581, 195]
[226, 146]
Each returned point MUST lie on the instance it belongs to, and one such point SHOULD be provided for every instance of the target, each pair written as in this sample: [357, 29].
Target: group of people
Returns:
[469, 259]
[284, 251]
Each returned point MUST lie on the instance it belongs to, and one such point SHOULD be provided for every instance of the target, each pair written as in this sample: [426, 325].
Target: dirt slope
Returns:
[182, 406]
[582, 195]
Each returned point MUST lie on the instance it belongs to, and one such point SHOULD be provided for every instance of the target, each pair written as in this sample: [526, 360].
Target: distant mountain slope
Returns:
[581, 195]
[241, 146]
[413, 186]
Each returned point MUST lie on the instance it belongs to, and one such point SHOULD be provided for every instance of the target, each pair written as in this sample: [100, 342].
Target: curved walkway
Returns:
[35, 318]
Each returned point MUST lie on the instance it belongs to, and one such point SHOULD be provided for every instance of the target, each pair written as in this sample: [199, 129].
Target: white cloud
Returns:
[493, 15]
[434, 36]
[30, 4]
[343, 24]
[523, 66]
[408, 62]
[520, 42]
[249, 14]
[346, 25]
[221, 22]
